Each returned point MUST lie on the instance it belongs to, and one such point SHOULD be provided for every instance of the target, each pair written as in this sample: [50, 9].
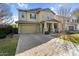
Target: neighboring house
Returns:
[68, 23]
[43, 20]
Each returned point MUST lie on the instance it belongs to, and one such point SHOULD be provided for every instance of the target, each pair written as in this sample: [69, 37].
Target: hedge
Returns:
[4, 31]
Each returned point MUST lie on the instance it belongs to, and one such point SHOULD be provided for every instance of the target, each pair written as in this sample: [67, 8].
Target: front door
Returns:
[49, 27]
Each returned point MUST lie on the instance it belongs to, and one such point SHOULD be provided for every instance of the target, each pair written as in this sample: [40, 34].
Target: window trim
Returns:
[32, 15]
[23, 14]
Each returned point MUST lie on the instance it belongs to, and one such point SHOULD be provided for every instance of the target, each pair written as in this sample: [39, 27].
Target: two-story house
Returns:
[42, 20]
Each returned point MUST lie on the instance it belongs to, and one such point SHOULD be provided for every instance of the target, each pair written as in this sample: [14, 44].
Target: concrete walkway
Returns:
[28, 41]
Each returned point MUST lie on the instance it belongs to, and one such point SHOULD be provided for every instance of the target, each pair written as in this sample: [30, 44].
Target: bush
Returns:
[74, 38]
[7, 30]
[72, 32]
[15, 30]
[47, 32]
[2, 33]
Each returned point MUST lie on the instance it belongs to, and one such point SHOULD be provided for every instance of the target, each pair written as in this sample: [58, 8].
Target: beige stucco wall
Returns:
[42, 15]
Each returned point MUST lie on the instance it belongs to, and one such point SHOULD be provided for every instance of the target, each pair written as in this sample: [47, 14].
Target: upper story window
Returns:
[33, 16]
[47, 17]
[23, 15]
[68, 20]
[73, 20]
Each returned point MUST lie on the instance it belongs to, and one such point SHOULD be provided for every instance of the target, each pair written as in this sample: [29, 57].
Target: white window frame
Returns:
[32, 15]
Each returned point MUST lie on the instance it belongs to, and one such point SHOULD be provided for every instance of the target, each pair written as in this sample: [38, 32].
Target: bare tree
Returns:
[5, 14]
[75, 13]
[64, 12]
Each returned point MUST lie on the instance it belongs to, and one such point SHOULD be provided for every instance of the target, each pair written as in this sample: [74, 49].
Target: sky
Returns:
[52, 6]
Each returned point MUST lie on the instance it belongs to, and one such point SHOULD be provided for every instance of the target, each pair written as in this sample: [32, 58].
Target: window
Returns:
[73, 20]
[71, 28]
[77, 20]
[75, 26]
[23, 14]
[47, 17]
[68, 20]
[33, 16]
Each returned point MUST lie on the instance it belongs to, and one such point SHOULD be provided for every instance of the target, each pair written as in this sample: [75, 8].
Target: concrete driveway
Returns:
[28, 41]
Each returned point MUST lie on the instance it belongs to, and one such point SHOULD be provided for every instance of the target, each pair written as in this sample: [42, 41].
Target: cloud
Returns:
[63, 5]
[60, 5]
[23, 5]
[15, 18]
[52, 8]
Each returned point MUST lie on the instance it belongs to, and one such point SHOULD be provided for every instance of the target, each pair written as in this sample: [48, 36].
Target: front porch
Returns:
[50, 27]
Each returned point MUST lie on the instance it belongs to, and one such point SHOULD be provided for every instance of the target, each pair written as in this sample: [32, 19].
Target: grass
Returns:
[8, 47]
[71, 37]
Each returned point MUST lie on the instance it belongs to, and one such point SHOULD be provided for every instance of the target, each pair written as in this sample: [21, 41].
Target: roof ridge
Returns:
[38, 9]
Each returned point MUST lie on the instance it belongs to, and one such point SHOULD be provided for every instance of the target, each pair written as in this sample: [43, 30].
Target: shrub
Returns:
[72, 32]
[73, 38]
[2, 33]
[8, 29]
[15, 30]
[47, 32]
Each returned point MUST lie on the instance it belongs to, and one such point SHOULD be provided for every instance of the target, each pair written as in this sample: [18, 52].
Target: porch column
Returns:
[45, 27]
[40, 27]
[52, 27]
[59, 27]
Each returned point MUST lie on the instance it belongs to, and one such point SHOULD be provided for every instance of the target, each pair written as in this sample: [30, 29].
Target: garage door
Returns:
[29, 28]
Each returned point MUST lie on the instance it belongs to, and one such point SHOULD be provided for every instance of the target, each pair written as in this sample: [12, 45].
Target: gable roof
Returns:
[37, 10]
[52, 20]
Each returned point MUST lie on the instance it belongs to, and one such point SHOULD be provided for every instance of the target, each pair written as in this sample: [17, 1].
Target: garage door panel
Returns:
[30, 28]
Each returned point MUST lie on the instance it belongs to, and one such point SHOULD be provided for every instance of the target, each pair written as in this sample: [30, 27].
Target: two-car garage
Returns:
[29, 28]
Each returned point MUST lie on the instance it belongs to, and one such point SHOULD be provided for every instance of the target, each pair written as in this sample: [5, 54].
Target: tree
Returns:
[64, 11]
[75, 13]
[5, 14]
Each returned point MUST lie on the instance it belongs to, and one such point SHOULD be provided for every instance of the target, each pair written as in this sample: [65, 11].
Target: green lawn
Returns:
[71, 37]
[8, 47]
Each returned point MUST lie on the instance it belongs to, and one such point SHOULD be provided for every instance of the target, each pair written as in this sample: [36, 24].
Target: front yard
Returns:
[8, 46]
[71, 37]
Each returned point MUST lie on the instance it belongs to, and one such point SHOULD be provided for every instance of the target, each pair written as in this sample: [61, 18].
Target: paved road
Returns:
[28, 41]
